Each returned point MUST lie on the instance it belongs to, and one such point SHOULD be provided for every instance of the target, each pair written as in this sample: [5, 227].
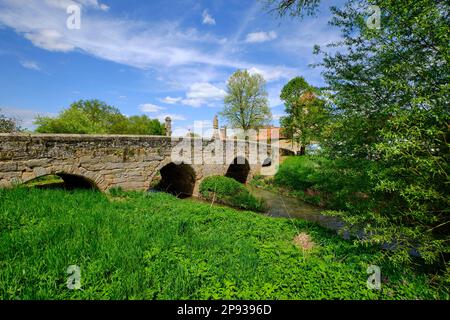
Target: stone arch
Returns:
[177, 179]
[239, 170]
[73, 177]
[67, 182]
[72, 181]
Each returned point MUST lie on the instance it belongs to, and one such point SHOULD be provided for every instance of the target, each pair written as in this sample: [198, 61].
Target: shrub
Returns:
[299, 173]
[229, 192]
[337, 184]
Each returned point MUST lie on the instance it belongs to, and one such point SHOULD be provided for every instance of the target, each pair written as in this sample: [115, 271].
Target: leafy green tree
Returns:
[390, 95]
[143, 125]
[246, 105]
[84, 117]
[306, 113]
[8, 125]
[96, 117]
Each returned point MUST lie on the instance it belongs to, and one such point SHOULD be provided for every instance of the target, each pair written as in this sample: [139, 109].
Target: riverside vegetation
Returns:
[228, 191]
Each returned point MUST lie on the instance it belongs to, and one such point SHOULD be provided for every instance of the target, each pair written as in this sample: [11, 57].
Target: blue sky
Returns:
[149, 57]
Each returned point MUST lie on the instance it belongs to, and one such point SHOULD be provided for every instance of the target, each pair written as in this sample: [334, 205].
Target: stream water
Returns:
[287, 207]
[280, 206]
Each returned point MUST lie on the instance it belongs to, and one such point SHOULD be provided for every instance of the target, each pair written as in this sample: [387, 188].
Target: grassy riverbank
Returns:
[229, 192]
[155, 246]
[318, 181]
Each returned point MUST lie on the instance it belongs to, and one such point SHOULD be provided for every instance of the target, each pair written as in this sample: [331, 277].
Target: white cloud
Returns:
[135, 43]
[258, 37]
[200, 94]
[63, 4]
[273, 73]
[150, 108]
[170, 100]
[104, 7]
[207, 18]
[196, 103]
[205, 91]
[161, 45]
[49, 39]
[30, 65]
[182, 77]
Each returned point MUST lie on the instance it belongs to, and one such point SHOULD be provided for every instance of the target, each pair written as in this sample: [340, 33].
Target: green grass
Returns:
[228, 191]
[155, 246]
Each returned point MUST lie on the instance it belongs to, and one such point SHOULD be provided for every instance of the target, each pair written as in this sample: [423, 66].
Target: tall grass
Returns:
[154, 246]
[231, 193]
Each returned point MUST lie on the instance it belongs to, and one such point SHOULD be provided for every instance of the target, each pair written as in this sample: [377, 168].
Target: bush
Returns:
[337, 184]
[229, 192]
[299, 173]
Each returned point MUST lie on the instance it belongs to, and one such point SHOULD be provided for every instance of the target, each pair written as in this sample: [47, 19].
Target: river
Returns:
[279, 206]
[293, 208]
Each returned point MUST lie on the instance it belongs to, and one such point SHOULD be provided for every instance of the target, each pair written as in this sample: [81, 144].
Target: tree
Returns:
[390, 96]
[294, 8]
[246, 105]
[306, 113]
[96, 117]
[143, 125]
[84, 117]
[8, 125]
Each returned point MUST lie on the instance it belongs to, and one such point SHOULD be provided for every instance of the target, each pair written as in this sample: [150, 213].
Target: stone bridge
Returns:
[129, 162]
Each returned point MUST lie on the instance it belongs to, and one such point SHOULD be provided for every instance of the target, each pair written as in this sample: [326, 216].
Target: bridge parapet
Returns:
[129, 162]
